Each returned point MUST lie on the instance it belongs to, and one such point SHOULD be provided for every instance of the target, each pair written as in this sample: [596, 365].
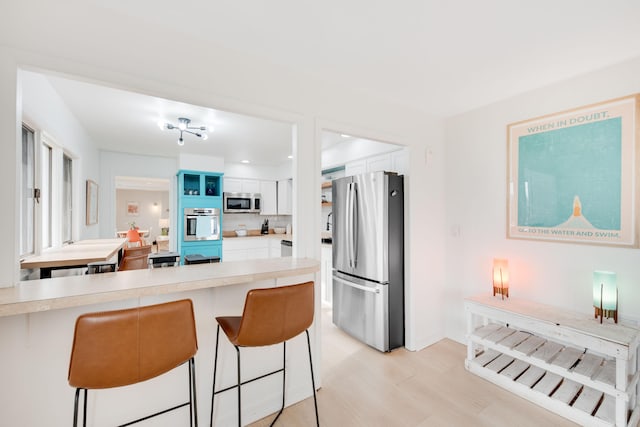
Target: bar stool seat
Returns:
[98, 267]
[124, 347]
[270, 316]
[200, 259]
[164, 259]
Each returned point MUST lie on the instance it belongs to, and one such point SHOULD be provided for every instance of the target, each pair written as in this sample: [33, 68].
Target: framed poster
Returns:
[573, 175]
[132, 209]
[92, 203]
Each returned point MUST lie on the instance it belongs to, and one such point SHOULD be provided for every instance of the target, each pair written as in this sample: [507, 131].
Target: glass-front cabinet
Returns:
[197, 184]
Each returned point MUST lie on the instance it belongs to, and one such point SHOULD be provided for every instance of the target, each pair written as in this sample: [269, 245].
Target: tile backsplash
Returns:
[234, 221]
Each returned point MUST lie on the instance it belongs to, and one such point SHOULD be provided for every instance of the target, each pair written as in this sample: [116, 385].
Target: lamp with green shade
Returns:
[605, 295]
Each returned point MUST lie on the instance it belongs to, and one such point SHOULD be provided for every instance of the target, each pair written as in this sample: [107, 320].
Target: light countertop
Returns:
[63, 292]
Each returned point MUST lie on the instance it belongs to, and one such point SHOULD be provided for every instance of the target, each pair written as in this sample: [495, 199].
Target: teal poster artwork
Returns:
[572, 175]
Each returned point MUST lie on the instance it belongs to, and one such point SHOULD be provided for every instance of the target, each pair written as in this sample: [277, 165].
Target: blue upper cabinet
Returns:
[199, 185]
[199, 190]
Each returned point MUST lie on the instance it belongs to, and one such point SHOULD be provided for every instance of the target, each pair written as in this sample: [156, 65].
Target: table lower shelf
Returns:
[572, 400]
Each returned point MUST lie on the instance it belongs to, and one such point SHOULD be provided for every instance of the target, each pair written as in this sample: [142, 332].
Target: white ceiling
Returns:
[441, 56]
[128, 122]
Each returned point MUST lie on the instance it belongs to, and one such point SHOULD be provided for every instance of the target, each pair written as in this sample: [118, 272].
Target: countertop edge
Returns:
[26, 298]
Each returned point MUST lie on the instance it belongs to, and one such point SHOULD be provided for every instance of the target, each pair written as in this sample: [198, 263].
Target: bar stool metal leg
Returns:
[239, 389]
[313, 382]
[215, 367]
[284, 377]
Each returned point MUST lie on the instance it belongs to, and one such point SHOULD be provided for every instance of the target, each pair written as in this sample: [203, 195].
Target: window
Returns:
[47, 192]
[46, 196]
[27, 204]
[67, 199]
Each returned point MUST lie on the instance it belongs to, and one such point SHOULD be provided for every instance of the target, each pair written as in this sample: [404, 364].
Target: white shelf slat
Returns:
[567, 391]
[567, 357]
[516, 369]
[547, 351]
[607, 374]
[589, 365]
[531, 376]
[500, 334]
[588, 400]
[548, 383]
[528, 346]
[607, 409]
[486, 357]
[485, 330]
[515, 339]
[499, 363]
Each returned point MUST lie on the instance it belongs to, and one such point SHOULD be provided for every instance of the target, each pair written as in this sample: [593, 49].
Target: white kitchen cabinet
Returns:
[379, 163]
[326, 265]
[400, 161]
[241, 185]
[269, 193]
[251, 247]
[285, 195]
[275, 248]
[355, 167]
[396, 161]
[566, 362]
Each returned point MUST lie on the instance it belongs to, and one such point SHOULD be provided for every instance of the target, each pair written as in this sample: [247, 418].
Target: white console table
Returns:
[566, 362]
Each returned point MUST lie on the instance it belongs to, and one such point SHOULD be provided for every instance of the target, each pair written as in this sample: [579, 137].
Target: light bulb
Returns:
[182, 125]
[180, 141]
[205, 136]
[209, 128]
[161, 125]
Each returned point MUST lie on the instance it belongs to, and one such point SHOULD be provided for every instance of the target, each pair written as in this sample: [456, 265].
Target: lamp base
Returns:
[503, 291]
[600, 312]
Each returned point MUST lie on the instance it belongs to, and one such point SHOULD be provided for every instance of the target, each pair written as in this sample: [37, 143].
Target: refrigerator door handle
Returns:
[350, 224]
[356, 228]
[353, 285]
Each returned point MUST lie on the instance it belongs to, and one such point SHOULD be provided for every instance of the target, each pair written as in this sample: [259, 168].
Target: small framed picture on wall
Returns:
[133, 209]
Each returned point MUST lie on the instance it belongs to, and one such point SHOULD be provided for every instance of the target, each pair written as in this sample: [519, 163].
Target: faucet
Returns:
[329, 221]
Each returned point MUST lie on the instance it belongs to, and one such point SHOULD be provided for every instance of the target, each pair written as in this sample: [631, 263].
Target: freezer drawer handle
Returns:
[353, 285]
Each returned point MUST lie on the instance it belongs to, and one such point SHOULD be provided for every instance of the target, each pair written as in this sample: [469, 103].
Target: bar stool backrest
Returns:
[140, 250]
[274, 315]
[122, 347]
[135, 262]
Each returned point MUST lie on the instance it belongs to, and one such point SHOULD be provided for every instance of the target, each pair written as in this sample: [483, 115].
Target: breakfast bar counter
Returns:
[72, 291]
[37, 320]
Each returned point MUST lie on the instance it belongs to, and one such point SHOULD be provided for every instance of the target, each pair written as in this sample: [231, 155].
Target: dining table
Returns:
[123, 233]
[74, 255]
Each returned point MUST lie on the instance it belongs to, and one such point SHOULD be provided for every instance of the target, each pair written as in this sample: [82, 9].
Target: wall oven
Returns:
[201, 224]
[241, 202]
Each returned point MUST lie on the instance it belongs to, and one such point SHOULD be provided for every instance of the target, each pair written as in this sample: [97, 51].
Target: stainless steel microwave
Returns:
[241, 202]
[201, 224]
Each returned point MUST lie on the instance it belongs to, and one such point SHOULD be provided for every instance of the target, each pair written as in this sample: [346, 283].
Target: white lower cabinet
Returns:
[252, 247]
[568, 363]
[326, 265]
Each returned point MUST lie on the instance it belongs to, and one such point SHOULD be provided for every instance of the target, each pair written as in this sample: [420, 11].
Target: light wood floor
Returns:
[363, 387]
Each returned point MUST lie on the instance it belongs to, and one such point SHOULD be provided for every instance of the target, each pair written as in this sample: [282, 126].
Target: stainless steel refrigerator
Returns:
[368, 258]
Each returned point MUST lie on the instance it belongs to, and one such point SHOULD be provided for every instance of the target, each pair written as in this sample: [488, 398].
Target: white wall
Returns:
[119, 164]
[476, 181]
[152, 205]
[45, 111]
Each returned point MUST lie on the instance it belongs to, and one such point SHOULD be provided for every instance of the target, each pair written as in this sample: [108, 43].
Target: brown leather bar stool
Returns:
[271, 316]
[124, 347]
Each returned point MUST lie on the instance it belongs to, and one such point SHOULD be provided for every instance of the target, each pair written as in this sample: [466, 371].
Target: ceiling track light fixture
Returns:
[183, 127]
